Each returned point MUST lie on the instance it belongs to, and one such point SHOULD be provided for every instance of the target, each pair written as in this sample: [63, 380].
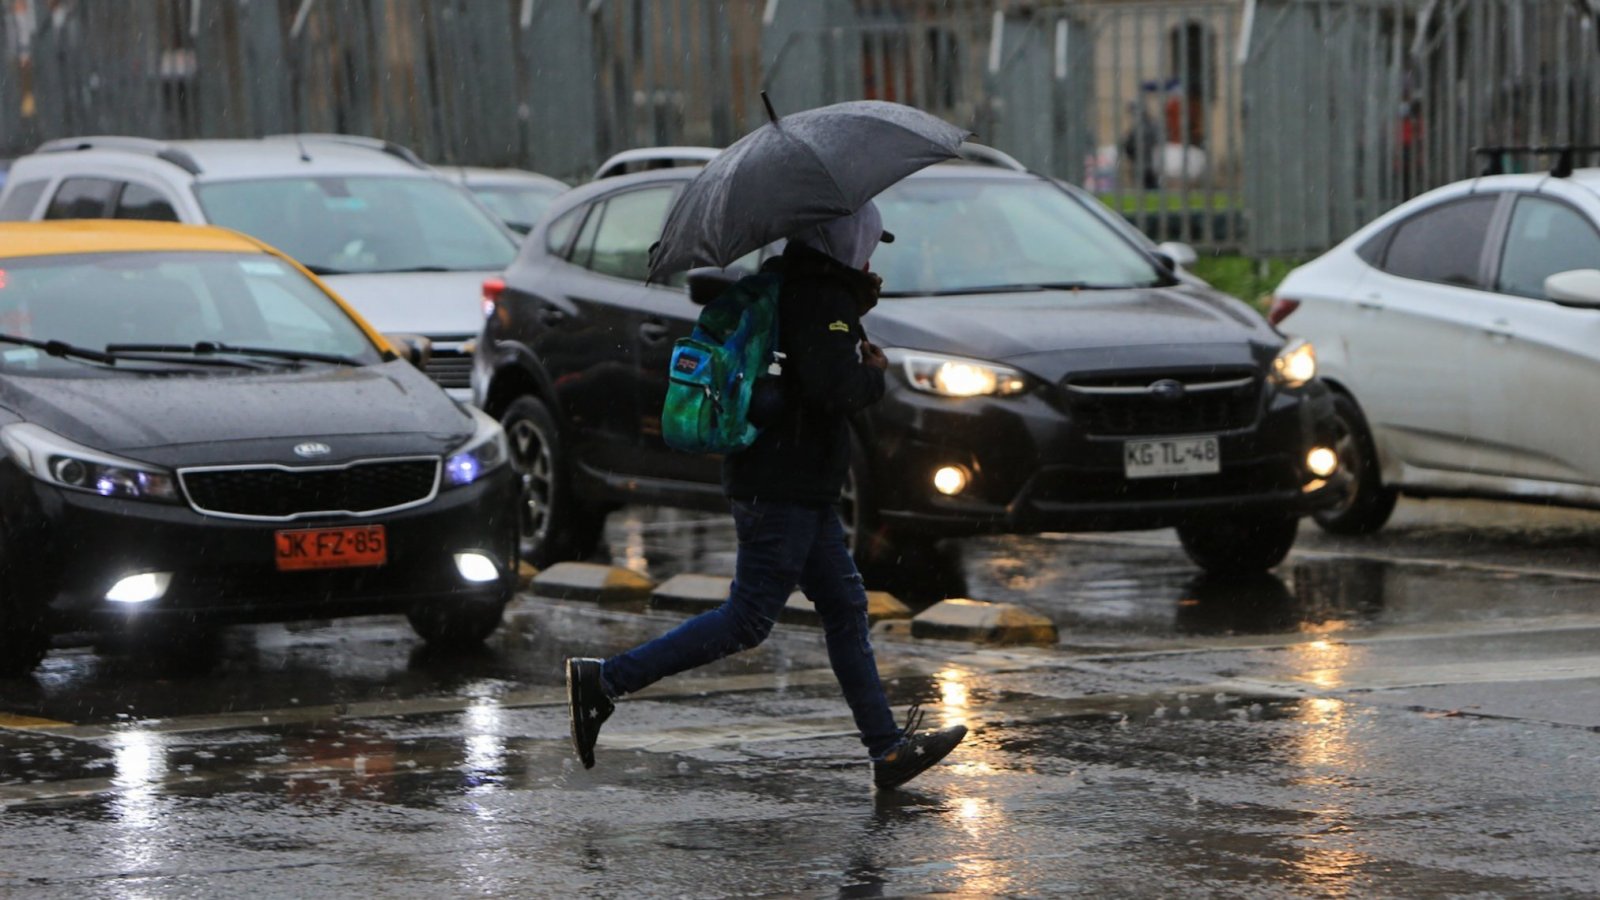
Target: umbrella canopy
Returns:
[795, 172]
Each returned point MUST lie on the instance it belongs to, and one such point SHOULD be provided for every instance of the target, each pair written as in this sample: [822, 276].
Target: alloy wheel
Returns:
[534, 463]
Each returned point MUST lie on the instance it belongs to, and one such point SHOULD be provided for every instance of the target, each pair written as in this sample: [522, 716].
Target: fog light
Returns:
[140, 588]
[476, 567]
[950, 480]
[1322, 461]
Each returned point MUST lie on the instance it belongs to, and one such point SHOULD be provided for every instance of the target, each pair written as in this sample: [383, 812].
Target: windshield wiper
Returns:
[323, 270]
[60, 348]
[207, 348]
[409, 269]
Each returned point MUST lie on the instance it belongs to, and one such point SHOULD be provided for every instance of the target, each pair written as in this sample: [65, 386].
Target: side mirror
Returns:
[414, 348]
[1165, 261]
[1180, 253]
[519, 227]
[706, 284]
[1577, 287]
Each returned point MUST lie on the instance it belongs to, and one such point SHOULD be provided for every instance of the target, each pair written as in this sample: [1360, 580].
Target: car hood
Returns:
[1053, 332]
[183, 420]
[437, 304]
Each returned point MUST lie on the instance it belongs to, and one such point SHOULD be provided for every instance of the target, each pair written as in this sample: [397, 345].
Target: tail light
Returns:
[492, 289]
[1281, 308]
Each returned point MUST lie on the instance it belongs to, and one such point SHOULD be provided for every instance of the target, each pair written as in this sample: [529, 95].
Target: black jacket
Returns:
[804, 455]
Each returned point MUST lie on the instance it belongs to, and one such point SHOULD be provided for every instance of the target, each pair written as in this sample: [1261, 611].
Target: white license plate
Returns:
[1171, 456]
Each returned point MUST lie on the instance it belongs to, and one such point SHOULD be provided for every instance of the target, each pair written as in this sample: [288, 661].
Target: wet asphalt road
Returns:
[1411, 714]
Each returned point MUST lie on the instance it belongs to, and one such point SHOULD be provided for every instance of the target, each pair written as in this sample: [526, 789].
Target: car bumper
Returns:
[223, 571]
[1033, 469]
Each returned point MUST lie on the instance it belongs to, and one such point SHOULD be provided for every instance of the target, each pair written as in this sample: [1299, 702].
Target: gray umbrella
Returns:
[795, 172]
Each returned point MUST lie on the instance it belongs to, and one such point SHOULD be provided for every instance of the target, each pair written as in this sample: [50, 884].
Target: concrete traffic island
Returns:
[698, 593]
[983, 623]
[594, 583]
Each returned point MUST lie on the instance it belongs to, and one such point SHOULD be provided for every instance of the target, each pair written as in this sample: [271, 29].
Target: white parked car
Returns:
[517, 196]
[404, 245]
[1461, 331]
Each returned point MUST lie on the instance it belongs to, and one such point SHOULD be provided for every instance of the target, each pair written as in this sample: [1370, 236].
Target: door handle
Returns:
[654, 332]
[1499, 331]
[551, 316]
[1372, 303]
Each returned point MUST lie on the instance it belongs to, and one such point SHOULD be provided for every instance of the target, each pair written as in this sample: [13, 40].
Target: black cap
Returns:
[888, 237]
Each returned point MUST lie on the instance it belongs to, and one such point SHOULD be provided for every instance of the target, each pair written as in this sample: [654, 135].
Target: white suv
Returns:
[405, 246]
[1461, 331]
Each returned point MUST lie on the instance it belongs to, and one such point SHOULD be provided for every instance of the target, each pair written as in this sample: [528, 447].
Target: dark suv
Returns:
[1047, 373]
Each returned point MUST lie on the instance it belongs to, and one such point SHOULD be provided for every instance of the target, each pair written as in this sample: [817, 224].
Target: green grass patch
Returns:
[1251, 280]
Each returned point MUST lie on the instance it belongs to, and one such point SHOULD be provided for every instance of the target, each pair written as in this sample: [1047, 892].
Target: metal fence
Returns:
[1273, 126]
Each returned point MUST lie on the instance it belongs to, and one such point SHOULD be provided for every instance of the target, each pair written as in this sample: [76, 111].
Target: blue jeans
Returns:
[781, 545]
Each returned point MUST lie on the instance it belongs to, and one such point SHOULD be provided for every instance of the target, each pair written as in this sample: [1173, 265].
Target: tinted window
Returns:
[82, 198]
[368, 224]
[1546, 237]
[148, 204]
[19, 204]
[583, 248]
[631, 223]
[1443, 244]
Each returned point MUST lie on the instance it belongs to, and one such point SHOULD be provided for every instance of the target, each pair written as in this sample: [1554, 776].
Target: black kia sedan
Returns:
[1047, 373]
[194, 432]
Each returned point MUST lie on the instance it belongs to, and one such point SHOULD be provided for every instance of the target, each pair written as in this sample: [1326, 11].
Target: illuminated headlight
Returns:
[476, 568]
[53, 459]
[952, 376]
[1296, 364]
[141, 588]
[484, 452]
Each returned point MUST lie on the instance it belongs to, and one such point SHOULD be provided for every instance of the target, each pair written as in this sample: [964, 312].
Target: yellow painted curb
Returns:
[984, 623]
[593, 583]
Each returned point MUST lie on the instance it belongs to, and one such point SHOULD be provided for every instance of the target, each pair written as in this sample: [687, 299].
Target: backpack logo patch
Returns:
[839, 326]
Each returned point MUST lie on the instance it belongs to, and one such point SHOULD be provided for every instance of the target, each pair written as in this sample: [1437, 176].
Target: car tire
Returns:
[1368, 504]
[457, 625]
[552, 526]
[883, 554]
[24, 634]
[1238, 544]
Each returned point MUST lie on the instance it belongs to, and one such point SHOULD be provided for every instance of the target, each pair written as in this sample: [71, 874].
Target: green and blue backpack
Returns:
[714, 370]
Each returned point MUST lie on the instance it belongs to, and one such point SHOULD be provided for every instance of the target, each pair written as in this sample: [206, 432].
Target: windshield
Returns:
[343, 225]
[955, 235]
[521, 204]
[178, 299]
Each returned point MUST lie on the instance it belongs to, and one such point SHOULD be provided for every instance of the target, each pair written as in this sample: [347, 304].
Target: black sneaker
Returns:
[915, 753]
[588, 707]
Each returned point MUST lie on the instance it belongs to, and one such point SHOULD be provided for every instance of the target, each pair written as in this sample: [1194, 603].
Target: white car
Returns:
[517, 196]
[1461, 332]
[405, 246]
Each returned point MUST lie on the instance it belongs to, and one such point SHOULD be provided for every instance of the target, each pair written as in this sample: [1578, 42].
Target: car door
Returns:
[1417, 332]
[1542, 374]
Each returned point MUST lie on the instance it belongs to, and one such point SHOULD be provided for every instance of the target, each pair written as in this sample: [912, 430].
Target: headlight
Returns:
[484, 452]
[53, 459]
[1296, 364]
[952, 376]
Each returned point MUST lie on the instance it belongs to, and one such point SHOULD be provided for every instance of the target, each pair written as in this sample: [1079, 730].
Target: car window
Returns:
[631, 223]
[583, 248]
[148, 204]
[82, 198]
[1443, 243]
[968, 234]
[516, 203]
[560, 231]
[245, 299]
[363, 224]
[1545, 237]
[24, 196]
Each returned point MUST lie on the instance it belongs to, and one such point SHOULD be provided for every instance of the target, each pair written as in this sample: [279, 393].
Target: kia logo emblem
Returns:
[312, 448]
[1167, 389]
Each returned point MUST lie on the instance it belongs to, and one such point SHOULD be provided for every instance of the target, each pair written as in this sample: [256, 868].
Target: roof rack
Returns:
[399, 151]
[1564, 154]
[148, 146]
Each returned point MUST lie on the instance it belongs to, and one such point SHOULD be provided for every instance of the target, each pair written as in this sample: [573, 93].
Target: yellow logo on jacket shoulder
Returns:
[839, 326]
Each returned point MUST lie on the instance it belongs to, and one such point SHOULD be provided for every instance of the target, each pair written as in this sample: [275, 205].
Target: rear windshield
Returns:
[366, 224]
[243, 299]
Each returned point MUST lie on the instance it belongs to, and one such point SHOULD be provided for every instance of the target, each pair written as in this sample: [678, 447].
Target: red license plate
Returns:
[331, 548]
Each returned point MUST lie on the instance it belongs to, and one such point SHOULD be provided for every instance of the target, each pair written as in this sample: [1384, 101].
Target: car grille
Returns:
[450, 368]
[275, 492]
[1126, 406]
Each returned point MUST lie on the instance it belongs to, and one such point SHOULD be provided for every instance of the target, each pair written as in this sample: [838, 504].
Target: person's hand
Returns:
[866, 304]
[872, 356]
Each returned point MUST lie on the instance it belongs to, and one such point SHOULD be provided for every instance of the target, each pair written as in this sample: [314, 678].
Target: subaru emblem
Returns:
[1167, 389]
[312, 448]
